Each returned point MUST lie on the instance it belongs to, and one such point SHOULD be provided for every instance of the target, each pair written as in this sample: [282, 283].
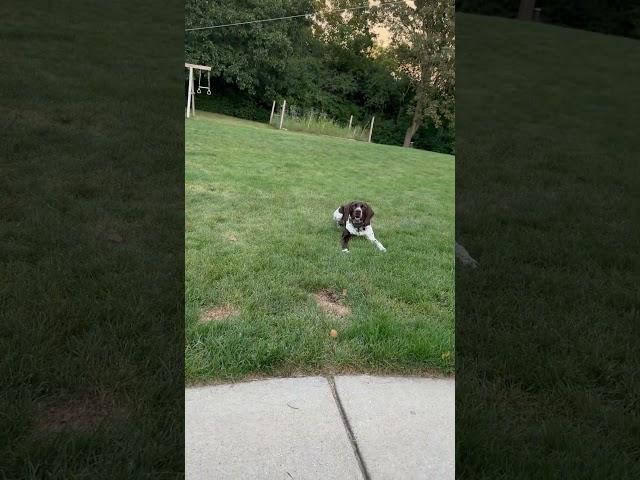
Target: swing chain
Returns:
[200, 86]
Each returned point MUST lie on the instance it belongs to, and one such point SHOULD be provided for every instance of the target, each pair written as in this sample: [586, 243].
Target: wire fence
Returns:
[318, 122]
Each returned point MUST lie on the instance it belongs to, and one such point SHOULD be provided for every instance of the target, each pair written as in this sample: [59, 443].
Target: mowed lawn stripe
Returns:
[260, 239]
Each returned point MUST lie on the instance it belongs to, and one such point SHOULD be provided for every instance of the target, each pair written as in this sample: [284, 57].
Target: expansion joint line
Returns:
[347, 427]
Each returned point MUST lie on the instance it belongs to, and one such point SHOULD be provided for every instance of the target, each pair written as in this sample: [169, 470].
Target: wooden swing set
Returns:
[191, 94]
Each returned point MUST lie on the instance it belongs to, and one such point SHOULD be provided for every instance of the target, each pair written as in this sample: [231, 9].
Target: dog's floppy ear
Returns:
[346, 211]
[367, 215]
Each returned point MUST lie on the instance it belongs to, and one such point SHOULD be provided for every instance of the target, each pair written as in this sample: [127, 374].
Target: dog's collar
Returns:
[361, 227]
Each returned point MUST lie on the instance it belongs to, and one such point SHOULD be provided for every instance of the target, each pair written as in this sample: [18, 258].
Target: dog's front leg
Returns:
[344, 241]
[372, 238]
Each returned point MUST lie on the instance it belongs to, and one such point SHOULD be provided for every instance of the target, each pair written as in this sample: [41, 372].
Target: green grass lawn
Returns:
[546, 182]
[260, 240]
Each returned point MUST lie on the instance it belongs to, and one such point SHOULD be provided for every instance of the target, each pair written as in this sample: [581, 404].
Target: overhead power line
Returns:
[363, 7]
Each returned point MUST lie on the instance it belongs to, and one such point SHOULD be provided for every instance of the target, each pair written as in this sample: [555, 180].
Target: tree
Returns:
[252, 56]
[423, 40]
[350, 30]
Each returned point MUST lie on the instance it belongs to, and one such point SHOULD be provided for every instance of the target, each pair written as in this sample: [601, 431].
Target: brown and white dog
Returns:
[355, 219]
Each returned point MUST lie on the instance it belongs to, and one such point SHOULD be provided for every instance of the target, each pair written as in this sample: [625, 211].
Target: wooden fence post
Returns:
[189, 92]
[284, 104]
[350, 120]
[371, 129]
[193, 101]
[273, 107]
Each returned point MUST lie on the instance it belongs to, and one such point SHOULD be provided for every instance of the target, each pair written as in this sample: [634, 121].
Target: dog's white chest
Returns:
[353, 231]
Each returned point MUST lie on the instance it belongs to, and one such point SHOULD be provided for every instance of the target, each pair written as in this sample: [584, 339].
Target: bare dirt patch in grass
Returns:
[231, 237]
[114, 237]
[82, 413]
[330, 302]
[221, 312]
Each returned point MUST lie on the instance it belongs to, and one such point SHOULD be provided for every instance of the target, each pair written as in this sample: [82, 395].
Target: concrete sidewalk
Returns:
[350, 427]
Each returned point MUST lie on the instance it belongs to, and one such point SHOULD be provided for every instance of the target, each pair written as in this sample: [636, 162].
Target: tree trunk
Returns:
[525, 12]
[413, 128]
[409, 135]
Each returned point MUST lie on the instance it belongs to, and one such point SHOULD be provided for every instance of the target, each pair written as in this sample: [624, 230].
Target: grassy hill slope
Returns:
[260, 242]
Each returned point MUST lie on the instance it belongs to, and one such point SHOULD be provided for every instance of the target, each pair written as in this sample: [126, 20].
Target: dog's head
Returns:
[360, 213]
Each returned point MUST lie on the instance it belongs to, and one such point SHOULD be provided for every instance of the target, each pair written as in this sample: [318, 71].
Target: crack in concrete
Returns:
[347, 427]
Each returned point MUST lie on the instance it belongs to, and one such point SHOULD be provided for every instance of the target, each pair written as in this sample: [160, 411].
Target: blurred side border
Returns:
[547, 205]
[91, 240]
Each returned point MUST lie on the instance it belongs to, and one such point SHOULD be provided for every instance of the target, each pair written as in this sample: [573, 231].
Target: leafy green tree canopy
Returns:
[248, 56]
